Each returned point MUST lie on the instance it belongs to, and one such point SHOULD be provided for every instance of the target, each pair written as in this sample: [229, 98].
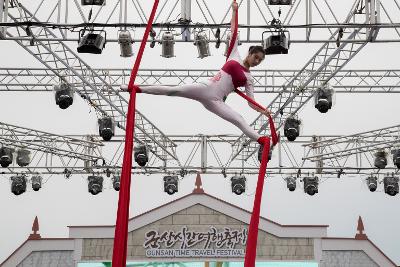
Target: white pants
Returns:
[210, 97]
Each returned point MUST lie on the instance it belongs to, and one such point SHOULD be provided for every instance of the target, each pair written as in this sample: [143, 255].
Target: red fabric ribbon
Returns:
[121, 228]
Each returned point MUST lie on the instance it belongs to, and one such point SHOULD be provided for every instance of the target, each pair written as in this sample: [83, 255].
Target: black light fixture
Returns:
[64, 95]
[36, 181]
[23, 157]
[291, 183]
[170, 184]
[106, 128]
[396, 158]
[116, 182]
[95, 184]
[311, 185]
[92, 43]
[18, 184]
[93, 2]
[380, 161]
[201, 42]
[260, 150]
[238, 184]
[279, 2]
[291, 128]
[278, 42]
[125, 43]
[391, 184]
[323, 98]
[6, 156]
[141, 155]
[167, 44]
[372, 182]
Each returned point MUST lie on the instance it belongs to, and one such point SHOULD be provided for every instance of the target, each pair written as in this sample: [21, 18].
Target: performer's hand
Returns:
[234, 6]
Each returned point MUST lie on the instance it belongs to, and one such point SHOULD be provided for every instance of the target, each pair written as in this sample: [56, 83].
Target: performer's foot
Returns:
[124, 87]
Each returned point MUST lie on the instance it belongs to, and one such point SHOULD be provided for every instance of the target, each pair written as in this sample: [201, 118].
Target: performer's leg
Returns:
[227, 113]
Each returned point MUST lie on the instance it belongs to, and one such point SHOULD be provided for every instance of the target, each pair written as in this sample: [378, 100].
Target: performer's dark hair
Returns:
[256, 49]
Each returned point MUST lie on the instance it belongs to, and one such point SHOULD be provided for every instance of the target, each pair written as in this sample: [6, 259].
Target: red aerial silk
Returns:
[121, 228]
[251, 246]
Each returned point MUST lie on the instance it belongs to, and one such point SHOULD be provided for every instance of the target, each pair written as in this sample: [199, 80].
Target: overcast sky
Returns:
[63, 202]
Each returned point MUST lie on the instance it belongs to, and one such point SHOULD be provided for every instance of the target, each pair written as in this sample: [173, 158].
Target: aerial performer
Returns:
[213, 92]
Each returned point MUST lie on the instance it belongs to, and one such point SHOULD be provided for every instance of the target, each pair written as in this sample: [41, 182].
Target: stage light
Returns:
[95, 184]
[292, 128]
[141, 155]
[380, 161]
[167, 44]
[311, 185]
[238, 184]
[201, 42]
[170, 184]
[64, 95]
[323, 98]
[18, 184]
[92, 43]
[106, 128]
[153, 38]
[260, 150]
[291, 183]
[116, 182]
[36, 182]
[125, 43]
[23, 157]
[93, 2]
[276, 43]
[6, 156]
[391, 185]
[372, 182]
[279, 2]
[228, 40]
[396, 158]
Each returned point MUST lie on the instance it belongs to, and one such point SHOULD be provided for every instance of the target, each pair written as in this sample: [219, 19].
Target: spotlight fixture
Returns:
[277, 42]
[291, 128]
[396, 158]
[153, 38]
[380, 161]
[238, 184]
[260, 150]
[391, 185]
[201, 42]
[280, 2]
[92, 43]
[141, 155]
[18, 184]
[323, 98]
[95, 184]
[93, 2]
[311, 185]
[291, 183]
[23, 157]
[125, 43]
[228, 40]
[36, 182]
[64, 95]
[170, 184]
[6, 156]
[372, 182]
[106, 128]
[116, 182]
[167, 44]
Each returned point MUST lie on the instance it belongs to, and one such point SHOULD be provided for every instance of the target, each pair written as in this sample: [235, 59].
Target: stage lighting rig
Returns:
[93, 2]
[391, 185]
[23, 157]
[291, 128]
[396, 157]
[141, 155]
[93, 42]
[18, 184]
[280, 2]
[95, 184]
[170, 184]
[202, 44]
[106, 128]
[291, 183]
[380, 161]
[324, 98]
[372, 182]
[64, 95]
[167, 44]
[6, 156]
[125, 43]
[36, 181]
[238, 184]
[311, 185]
[278, 41]
[116, 180]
